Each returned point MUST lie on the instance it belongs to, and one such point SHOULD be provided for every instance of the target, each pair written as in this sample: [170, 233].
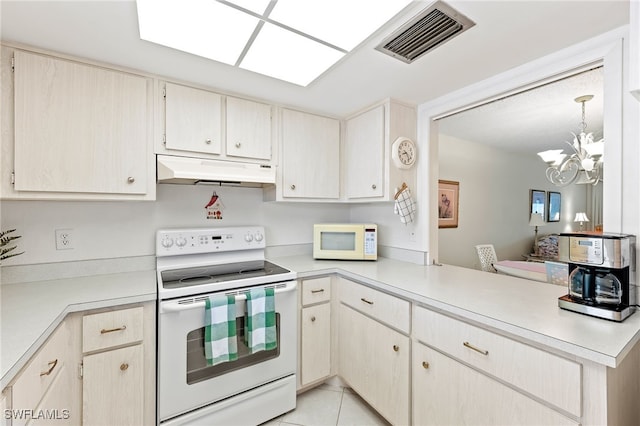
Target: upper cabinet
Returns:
[364, 154]
[73, 130]
[310, 162]
[380, 152]
[634, 48]
[204, 124]
[193, 120]
[248, 129]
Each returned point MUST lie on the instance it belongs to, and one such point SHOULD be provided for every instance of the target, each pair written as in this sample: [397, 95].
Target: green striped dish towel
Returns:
[260, 320]
[220, 341]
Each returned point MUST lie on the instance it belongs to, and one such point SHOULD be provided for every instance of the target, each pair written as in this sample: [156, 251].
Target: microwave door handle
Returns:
[173, 306]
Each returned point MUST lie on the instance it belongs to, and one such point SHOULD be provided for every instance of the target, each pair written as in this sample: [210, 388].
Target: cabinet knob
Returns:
[124, 366]
[425, 364]
[293, 187]
[373, 186]
[313, 319]
[238, 144]
[208, 141]
[131, 179]
[396, 348]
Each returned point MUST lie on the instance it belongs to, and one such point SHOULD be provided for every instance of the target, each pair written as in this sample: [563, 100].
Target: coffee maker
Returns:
[601, 274]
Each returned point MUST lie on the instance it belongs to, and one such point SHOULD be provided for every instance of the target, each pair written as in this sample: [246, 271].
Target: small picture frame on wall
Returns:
[537, 202]
[448, 198]
[554, 202]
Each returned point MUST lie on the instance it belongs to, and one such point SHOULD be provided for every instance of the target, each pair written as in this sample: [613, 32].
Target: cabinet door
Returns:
[79, 128]
[447, 392]
[193, 119]
[113, 387]
[364, 151]
[310, 156]
[315, 362]
[248, 129]
[374, 360]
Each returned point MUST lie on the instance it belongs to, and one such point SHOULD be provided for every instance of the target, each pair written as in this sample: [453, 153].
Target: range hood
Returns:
[191, 171]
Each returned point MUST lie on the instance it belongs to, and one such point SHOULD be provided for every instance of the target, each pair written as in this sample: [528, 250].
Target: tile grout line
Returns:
[340, 407]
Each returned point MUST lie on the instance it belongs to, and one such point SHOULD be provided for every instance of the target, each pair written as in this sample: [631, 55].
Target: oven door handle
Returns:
[178, 306]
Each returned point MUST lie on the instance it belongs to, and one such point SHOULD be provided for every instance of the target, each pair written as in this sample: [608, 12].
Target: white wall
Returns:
[494, 201]
[104, 230]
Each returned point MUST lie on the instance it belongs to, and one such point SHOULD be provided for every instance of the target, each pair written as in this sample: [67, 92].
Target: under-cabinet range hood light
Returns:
[191, 171]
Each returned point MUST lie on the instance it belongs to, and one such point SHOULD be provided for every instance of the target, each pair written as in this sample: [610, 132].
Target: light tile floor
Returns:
[330, 405]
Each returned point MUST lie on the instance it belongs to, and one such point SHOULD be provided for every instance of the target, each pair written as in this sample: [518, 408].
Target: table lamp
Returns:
[582, 218]
[536, 220]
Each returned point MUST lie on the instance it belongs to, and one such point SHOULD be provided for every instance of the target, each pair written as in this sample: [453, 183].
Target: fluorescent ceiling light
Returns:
[342, 23]
[288, 56]
[298, 41]
[201, 27]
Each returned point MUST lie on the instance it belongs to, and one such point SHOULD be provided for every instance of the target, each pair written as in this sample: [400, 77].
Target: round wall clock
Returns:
[403, 152]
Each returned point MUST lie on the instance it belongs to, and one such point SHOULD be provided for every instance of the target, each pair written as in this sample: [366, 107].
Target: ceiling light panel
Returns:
[342, 23]
[256, 6]
[288, 56]
[201, 27]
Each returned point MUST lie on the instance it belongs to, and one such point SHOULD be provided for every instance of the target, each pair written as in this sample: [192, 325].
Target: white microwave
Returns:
[345, 241]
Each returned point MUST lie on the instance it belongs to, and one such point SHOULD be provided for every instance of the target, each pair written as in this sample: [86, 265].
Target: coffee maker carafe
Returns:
[600, 274]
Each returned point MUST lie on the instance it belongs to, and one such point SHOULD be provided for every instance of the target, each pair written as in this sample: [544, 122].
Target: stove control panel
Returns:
[172, 242]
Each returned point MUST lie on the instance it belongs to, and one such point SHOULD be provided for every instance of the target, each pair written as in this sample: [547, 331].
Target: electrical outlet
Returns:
[64, 239]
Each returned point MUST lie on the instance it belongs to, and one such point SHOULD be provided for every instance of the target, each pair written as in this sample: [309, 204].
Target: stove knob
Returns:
[181, 242]
[259, 237]
[167, 242]
[248, 238]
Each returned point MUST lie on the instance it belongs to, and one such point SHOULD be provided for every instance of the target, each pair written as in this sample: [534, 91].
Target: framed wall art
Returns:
[537, 202]
[448, 198]
[554, 200]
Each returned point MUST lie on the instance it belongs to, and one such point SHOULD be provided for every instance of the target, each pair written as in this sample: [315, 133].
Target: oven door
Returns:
[187, 383]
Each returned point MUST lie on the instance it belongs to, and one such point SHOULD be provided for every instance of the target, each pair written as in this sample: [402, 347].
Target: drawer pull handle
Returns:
[366, 301]
[111, 330]
[318, 291]
[124, 366]
[313, 319]
[52, 365]
[470, 346]
[396, 348]
[425, 364]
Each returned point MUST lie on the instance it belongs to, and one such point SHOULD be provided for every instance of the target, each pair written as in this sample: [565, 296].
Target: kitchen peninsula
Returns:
[517, 322]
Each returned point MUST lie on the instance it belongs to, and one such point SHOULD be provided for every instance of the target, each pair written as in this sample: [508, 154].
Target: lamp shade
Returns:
[581, 217]
[536, 220]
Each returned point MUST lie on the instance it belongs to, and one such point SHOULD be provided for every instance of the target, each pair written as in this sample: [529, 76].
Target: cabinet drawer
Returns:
[446, 392]
[545, 375]
[113, 328]
[316, 290]
[50, 361]
[381, 306]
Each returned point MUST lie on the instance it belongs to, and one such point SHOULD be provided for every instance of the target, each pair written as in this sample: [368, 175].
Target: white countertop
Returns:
[30, 311]
[527, 310]
[523, 308]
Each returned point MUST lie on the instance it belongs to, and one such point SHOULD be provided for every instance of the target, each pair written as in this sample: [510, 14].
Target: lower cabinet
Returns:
[47, 390]
[315, 331]
[374, 361]
[96, 368]
[448, 392]
[113, 387]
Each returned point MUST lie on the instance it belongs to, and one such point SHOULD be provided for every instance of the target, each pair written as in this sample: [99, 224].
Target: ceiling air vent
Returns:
[425, 31]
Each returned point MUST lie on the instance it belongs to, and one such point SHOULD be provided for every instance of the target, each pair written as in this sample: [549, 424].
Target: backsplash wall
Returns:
[103, 230]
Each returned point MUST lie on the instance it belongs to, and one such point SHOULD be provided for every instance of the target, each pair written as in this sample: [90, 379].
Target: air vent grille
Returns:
[429, 29]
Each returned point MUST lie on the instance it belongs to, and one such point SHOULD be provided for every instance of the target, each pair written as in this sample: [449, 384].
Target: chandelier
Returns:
[584, 165]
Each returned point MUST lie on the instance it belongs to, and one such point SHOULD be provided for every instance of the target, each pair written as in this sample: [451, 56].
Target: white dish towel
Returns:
[404, 206]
